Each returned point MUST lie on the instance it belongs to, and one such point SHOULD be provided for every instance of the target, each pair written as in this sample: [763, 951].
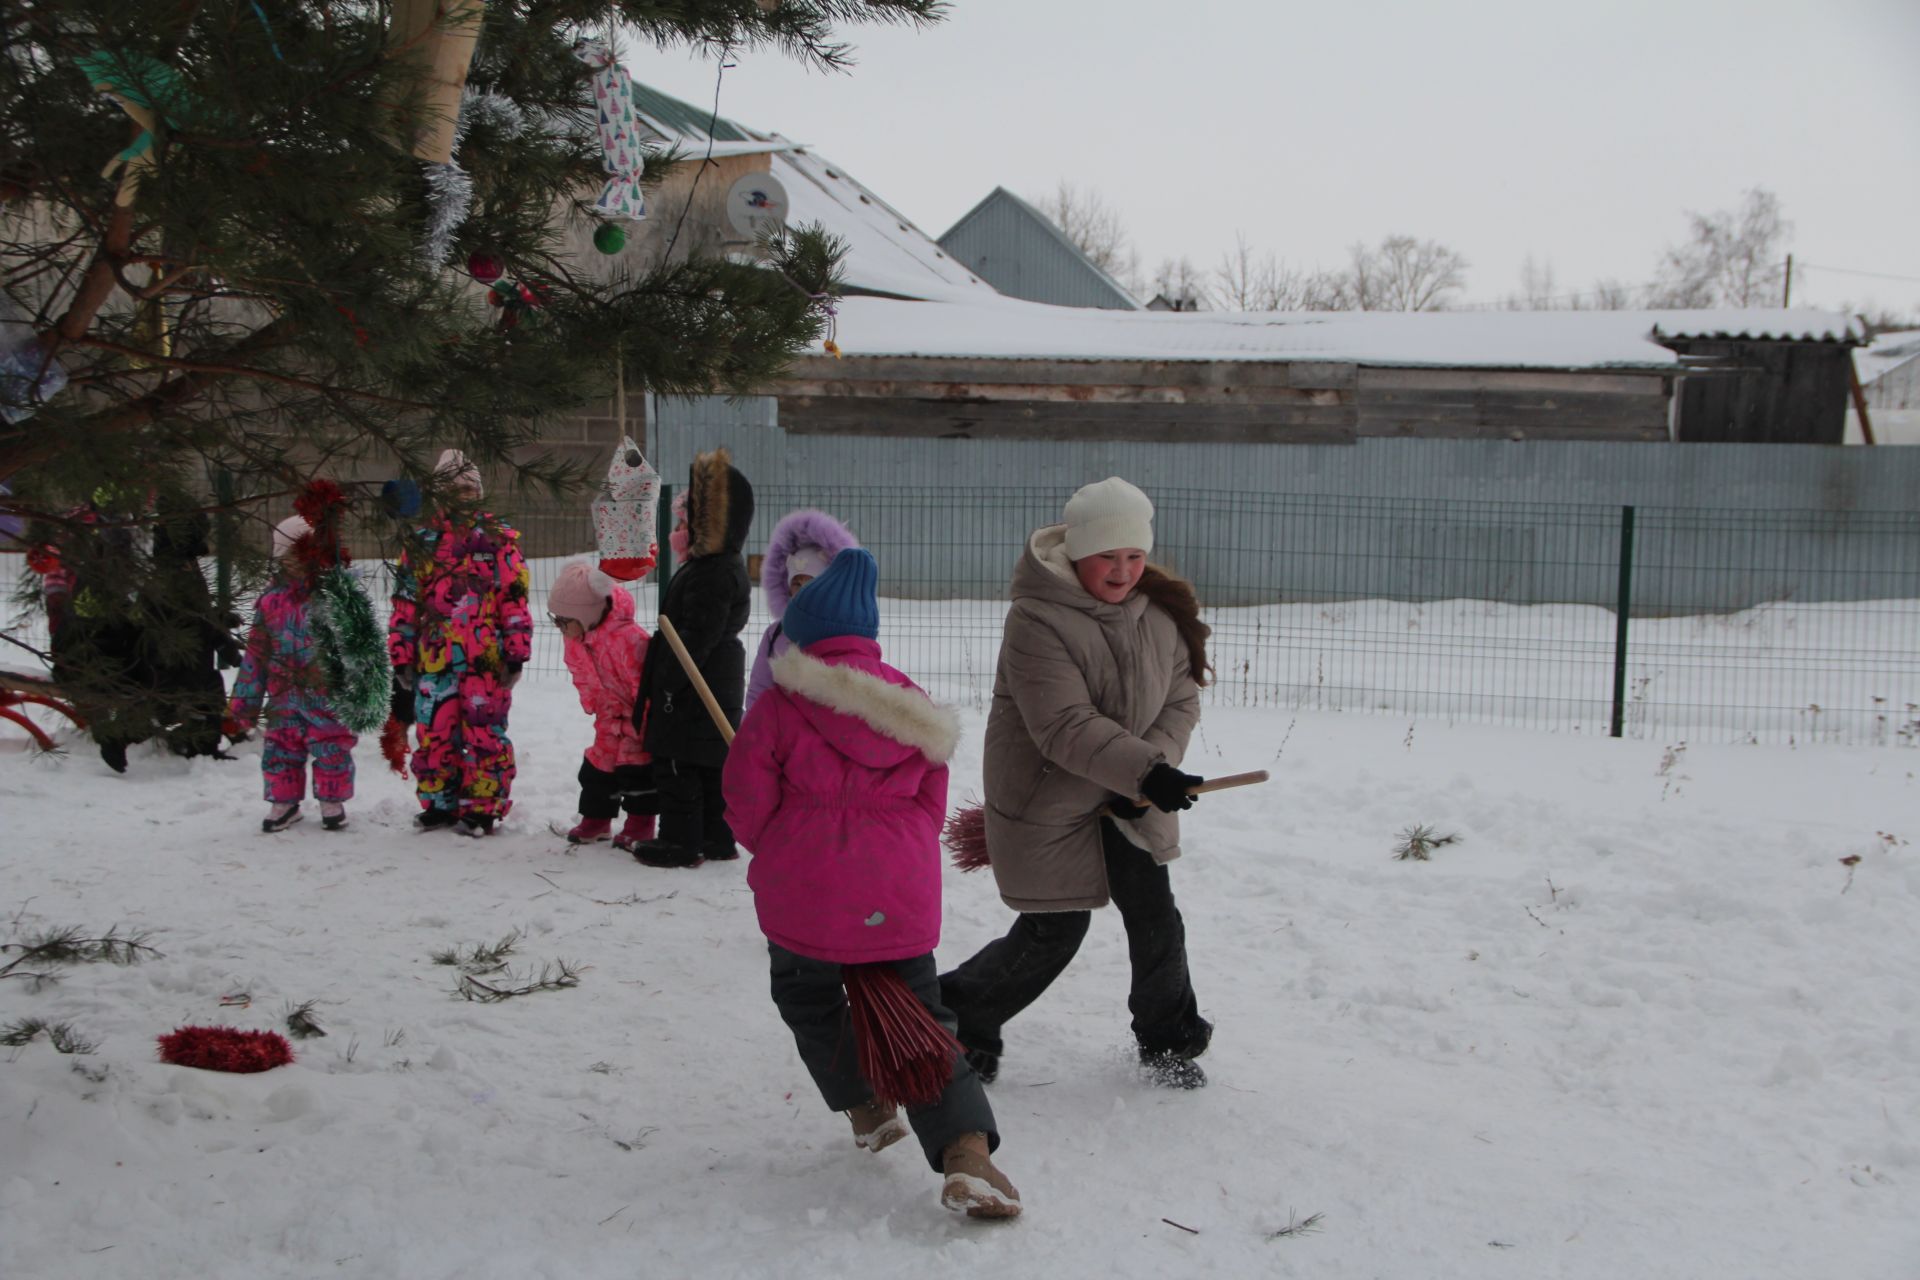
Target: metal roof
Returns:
[1020, 251]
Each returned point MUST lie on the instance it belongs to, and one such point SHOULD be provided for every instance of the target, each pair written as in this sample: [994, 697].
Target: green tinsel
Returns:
[353, 649]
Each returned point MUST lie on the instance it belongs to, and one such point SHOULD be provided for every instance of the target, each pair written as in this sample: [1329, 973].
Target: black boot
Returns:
[115, 754]
[660, 853]
[985, 1064]
[435, 818]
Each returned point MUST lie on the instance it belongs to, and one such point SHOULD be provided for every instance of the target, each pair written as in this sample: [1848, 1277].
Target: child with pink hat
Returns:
[605, 649]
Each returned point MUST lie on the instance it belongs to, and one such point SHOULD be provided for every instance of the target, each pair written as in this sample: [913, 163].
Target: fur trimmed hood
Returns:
[797, 529]
[902, 717]
[719, 506]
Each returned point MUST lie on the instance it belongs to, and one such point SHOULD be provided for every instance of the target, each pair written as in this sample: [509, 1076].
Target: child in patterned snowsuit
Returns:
[458, 636]
[282, 669]
[605, 648]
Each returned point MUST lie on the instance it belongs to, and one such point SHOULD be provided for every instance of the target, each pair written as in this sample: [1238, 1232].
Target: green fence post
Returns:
[663, 533]
[1621, 608]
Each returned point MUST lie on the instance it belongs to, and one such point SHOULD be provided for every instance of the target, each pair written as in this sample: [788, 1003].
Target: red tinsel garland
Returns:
[393, 745]
[904, 1054]
[225, 1049]
[323, 505]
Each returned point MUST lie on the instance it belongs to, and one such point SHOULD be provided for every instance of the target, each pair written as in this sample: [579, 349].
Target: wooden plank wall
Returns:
[1773, 392]
[1300, 402]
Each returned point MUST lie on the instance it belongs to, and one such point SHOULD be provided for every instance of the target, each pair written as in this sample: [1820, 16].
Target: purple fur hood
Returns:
[798, 529]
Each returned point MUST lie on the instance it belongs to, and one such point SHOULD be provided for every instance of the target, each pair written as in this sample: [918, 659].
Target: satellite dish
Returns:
[757, 205]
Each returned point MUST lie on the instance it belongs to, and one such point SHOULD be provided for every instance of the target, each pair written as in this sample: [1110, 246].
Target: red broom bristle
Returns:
[904, 1053]
[965, 837]
[225, 1049]
[393, 745]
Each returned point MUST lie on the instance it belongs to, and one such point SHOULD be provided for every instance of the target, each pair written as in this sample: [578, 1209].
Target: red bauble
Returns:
[484, 267]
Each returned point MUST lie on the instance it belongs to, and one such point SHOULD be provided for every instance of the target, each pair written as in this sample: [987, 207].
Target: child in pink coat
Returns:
[837, 784]
[605, 648]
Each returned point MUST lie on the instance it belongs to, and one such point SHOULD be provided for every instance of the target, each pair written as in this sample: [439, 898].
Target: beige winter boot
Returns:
[876, 1125]
[973, 1184]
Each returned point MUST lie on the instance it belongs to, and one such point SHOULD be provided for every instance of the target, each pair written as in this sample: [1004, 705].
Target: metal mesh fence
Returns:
[1742, 625]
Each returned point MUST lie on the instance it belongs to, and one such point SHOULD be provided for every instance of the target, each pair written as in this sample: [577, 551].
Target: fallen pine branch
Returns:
[553, 977]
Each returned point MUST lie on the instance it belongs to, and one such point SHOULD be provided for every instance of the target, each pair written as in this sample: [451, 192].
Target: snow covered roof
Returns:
[1773, 324]
[886, 253]
[1007, 328]
[1887, 352]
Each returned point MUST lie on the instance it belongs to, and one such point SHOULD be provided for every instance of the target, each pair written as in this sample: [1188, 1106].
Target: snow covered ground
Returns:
[1642, 1021]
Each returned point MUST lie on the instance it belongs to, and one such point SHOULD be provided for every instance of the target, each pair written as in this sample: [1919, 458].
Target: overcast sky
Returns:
[1578, 133]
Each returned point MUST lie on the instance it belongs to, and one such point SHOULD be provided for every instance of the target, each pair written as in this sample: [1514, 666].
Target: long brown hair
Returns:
[1175, 594]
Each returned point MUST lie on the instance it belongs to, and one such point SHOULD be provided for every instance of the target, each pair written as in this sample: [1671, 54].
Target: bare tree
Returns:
[1403, 274]
[1096, 227]
[1181, 283]
[1609, 294]
[1249, 281]
[1732, 258]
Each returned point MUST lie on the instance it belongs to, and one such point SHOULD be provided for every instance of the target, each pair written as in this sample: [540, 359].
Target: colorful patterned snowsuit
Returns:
[282, 669]
[460, 632]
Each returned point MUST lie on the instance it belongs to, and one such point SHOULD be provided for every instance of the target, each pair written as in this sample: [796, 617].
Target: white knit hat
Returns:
[1106, 516]
[288, 532]
[458, 470]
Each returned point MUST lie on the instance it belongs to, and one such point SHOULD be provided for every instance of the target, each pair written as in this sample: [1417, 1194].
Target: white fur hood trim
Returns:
[905, 715]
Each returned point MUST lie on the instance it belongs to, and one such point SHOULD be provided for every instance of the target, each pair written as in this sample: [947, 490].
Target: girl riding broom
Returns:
[837, 784]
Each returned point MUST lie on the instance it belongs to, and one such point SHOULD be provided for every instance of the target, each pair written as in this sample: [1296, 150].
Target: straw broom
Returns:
[965, 833]
[905, 1055]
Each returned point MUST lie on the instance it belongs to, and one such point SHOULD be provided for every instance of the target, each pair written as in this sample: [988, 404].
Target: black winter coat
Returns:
[707, 602]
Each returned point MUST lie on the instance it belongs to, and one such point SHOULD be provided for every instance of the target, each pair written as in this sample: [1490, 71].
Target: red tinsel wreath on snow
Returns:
[225, 1049]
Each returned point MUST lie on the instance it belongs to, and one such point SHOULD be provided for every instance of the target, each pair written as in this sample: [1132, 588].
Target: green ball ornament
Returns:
[610, 237]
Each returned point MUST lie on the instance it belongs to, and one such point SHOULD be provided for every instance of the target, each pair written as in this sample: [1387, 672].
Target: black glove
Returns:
[400, 707]
[1165, 787]
[1121, 807]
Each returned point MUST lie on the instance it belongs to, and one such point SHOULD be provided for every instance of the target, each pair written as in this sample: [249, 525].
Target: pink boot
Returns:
[637, 829]
[590, 831]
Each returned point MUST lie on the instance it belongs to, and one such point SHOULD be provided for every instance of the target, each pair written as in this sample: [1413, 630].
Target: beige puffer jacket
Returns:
[1088, 697]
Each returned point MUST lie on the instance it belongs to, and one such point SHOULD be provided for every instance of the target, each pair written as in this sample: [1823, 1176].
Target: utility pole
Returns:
[1786, 297]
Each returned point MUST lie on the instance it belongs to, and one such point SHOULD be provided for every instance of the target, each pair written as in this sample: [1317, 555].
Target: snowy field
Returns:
[1653, 1016]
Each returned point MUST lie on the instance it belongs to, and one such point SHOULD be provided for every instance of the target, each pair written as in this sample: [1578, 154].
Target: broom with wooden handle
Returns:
[905, 1055]
[965, 834]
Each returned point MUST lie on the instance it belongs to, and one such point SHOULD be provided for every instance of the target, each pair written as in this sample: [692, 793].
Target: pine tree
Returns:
[215, 219]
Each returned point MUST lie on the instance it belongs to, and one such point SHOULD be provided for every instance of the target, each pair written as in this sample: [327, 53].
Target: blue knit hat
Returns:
[840, 602]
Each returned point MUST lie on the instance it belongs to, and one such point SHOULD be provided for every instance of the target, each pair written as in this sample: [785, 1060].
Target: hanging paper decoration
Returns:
[150, 92]
[620, 133]
[28, 377]
[623, 516]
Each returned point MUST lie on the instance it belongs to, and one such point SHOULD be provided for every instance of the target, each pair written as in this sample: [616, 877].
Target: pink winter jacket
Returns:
[605, 666]
[837, 783]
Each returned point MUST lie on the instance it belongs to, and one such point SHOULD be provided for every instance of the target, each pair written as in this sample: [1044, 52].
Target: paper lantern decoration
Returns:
[28, 378]
[623, 516]
[621, 154]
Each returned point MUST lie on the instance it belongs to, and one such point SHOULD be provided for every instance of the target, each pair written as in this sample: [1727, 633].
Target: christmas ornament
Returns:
[620, 133]
[610, 238]
[150, 92]
[623, 516]
[225, 1049]
[484, 266]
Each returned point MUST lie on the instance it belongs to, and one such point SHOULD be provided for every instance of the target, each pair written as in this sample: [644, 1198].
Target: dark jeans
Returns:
[813, 1003]
[1009, 974]
[693, 813]
[603, 794]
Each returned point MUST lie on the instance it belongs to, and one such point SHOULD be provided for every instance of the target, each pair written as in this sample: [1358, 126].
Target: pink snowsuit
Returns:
[605, 666]
[282, 669]
[837, 783]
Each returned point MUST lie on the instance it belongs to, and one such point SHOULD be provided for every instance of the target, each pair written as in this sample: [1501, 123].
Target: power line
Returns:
[1878, 275]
